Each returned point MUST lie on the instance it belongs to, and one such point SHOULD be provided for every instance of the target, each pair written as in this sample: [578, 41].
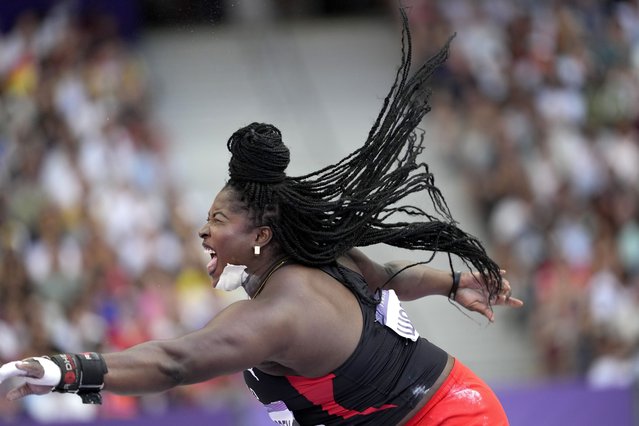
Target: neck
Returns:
[256, 281]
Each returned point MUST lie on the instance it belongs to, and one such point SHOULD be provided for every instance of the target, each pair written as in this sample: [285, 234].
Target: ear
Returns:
[264, 235]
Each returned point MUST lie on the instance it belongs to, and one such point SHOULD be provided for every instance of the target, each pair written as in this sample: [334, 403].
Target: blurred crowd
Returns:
[537, 108]
[98, 251]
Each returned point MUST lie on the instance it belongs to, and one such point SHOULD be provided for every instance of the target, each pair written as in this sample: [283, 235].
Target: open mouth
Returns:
[212, 265]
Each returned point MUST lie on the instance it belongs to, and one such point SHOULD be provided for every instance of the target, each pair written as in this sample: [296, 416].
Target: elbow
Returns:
[171, 364]
[180, 365]
[174, 374]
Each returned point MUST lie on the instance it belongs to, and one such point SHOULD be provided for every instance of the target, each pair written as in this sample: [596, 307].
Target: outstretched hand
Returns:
[472, 295]
[38, 381]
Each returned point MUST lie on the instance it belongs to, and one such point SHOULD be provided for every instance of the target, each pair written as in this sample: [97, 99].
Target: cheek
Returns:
[232, 247]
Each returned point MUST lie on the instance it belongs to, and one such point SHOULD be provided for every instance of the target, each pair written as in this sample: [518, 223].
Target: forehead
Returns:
[228, 200]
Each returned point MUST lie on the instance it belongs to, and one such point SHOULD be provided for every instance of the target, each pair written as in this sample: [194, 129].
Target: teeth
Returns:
[208, 250]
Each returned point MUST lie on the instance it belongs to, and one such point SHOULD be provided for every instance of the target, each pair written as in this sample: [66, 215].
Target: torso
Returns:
[328, 334]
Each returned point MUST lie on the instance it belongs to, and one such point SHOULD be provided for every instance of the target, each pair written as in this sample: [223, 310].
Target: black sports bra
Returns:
[385, 377]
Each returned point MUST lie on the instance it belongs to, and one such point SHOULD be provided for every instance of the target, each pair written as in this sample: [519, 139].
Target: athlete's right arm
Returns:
[242, 336]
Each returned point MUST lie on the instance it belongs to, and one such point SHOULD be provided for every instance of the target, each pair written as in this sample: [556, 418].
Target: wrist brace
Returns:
[82, 374]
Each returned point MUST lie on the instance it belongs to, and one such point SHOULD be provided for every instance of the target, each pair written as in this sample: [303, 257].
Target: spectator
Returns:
[543, 100]
[86, 168]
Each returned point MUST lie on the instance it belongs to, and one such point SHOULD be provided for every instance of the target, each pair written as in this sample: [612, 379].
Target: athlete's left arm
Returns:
[420, 281]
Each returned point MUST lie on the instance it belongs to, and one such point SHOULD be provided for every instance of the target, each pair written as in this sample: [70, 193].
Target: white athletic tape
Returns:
[10, 370]
[52, 373]
[51, 377]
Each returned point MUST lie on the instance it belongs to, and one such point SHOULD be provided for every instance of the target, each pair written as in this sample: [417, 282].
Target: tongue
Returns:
[211, 265]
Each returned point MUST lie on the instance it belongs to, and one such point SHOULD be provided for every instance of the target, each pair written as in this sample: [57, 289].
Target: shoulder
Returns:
[357, 260]
[288, 282]
[295, 288]
[374, 273]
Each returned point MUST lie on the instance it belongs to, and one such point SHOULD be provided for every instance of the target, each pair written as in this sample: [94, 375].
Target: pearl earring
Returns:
[256, 250]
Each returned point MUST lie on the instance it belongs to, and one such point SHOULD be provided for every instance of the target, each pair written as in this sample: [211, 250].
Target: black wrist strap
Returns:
[82, 374]
[453, 289]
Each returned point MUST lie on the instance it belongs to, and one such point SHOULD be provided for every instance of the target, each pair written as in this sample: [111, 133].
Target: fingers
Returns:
[513, 302]
[44, 372]
[10, 369]
[488, 313]
[482, 309]
[27, 389]
[509, 301]
[505, 296]
[32, 367]
[19, 392]
[41, 375]
[27, 368]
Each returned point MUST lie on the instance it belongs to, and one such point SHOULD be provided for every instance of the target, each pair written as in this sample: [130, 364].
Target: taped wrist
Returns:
[82, 374]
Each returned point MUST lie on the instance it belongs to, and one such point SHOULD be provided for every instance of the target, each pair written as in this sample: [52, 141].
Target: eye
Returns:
[212, 219]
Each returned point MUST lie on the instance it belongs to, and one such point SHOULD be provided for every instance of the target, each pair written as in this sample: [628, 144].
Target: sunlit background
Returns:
[114, 118]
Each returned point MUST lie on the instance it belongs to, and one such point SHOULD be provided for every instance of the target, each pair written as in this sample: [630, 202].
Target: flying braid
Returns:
[320, 216]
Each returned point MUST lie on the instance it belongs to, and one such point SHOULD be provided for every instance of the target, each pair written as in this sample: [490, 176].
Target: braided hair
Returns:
[318, 217]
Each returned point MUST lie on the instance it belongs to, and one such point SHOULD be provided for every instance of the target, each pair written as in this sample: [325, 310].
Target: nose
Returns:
[204, 231]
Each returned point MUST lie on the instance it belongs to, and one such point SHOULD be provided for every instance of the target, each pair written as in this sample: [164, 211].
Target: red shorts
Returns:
[463, 399]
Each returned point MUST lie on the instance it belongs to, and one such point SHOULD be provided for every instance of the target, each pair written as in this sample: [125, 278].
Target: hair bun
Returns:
[258, 154]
